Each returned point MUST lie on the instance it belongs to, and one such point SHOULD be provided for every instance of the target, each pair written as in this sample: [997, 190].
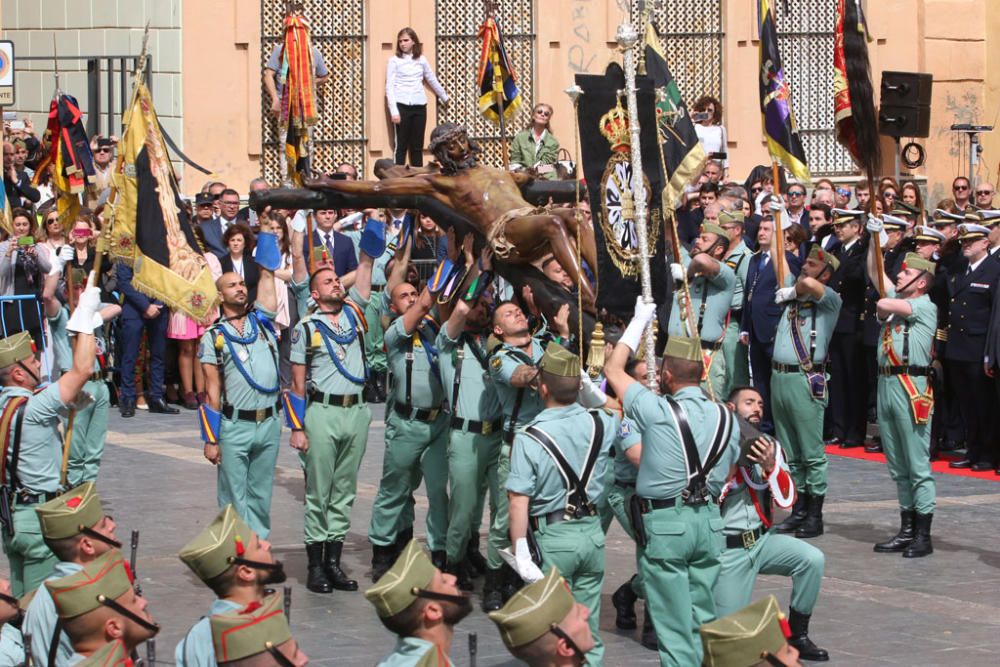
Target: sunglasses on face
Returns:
[796, 193]
[103, 150]
[543, 112]
[960, 188]
[984, 193]
[81, 233]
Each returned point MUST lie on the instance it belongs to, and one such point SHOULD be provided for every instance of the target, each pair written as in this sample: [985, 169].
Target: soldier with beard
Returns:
[422, 606]
[239, 422]
[236, 564]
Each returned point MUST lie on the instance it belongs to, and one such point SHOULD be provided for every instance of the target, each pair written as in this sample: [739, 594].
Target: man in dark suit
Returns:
[211, 228]
[849, 405]
[821, 228]
[759, 320]
[338, 247]
[247, 215]
[972, 290]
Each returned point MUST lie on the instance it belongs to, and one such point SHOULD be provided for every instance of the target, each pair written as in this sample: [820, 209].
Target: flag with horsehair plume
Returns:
[70, 156]
[150, 228]
[782, 135]
[298, 96]
[495, 74]
[853, 94]
[683, 155]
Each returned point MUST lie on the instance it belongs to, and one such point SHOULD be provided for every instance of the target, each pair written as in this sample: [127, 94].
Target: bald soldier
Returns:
[751, 637]
[543, 625]
[31, 474]
[256, 636]
[236, 564]
[77, 531]
[421, 605]
[98, 605]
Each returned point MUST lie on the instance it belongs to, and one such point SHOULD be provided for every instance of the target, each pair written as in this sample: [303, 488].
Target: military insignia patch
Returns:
[296, 335]
[496, 363]
[625, 430]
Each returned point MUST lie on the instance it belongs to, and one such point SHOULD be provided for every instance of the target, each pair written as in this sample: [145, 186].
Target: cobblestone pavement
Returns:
[874, 609]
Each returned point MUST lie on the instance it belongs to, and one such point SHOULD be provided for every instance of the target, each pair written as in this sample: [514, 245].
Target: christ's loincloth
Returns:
[497, 238]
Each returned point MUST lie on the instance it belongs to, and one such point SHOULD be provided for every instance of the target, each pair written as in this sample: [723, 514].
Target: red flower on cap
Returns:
[786, 629]
[74, 502]
[240, 549]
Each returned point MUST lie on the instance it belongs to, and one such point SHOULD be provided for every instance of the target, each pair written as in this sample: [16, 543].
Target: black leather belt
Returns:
[713, 345]
[795, 368]
[477, 427]
[419, 414]
[25, 498]
[625, 485]
[647, 505]
[336, 400]
[916, 371]
[745, 540]
[559, 516]
[258, 415]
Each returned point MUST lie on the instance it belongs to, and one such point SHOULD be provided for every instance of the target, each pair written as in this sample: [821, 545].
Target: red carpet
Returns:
[940, 467]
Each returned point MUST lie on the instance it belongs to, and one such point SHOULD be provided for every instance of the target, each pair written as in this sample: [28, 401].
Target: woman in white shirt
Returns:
[708, 126]
[404, 91]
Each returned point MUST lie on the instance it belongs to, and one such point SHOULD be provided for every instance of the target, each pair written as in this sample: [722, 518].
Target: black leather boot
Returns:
[512, 583]
[316, 579]
[649, 639]
[813, 525]
[903, 538]
[439, 559]
[382, 560]
[492, 597]
[403, 538]
[331, 564]
[797, 517]
[799, 625]
[461, 572]
[381, 386]
[474, 561]
[624, 601]
[921, 545]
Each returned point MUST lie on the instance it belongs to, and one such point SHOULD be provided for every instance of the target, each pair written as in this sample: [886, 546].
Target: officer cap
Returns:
[713, 228]
[914, 261]
[988, 217]
[943, 217]
[212, 552]
[15, 348]
[681, 347]
[203, 199]
[740, 639]
[67, 515]
[107, 576]
[731, 216]
[891, 223]
[246, 632]
[557, 360]
[397, 589]
[112, 654]
[533, 610]
[925, 233]
[904, 209]
[970, 232]
[844, 215]
[817, 253]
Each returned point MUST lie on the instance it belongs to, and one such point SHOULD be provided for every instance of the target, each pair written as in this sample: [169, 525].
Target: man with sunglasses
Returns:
[961, 191]
[31, 421]
[984, 195]
[211, 230]
[99, 605]
[256, 636]
[77, 531]
[795, 203]
[236, 564]
[421, 605]
[544, 625]
[103, 149]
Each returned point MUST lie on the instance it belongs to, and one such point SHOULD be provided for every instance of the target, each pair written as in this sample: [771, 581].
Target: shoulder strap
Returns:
[459, 358]
[409, 369]
[310, 350]
[220, 363]
[577, 501]
[54, 645]
[697, 470]
[13, 411]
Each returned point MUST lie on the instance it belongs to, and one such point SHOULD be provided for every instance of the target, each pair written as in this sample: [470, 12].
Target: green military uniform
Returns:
[416, 438]
[337, 419]
[11, 646]
[752, 549]
[59, 518]
[520, 405]
[534, 611]
[746, 637]
[621, 487]
[208, 555]
[905, 440]
[475, 439]
[737, 362]
[37, 468]
[683, 539]
[711, 298]
[798, 409]
[395, 591]
[246, 632]
[250, 434]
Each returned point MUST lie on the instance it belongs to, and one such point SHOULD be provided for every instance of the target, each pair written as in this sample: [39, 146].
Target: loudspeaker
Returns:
[906, 104]
[904, 121]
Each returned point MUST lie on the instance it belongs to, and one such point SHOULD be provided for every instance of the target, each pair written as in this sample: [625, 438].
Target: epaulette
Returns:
[941, 335]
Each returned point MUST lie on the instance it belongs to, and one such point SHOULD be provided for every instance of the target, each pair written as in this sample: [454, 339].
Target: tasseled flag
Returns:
[298, 97]
[496, 75]
[70, 156]
[853, 94]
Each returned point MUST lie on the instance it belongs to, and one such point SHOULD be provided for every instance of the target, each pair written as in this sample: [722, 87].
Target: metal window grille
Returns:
[457, 24]
[337, 28]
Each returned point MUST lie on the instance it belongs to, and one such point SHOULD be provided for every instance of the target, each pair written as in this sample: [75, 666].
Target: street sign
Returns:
[6, 73]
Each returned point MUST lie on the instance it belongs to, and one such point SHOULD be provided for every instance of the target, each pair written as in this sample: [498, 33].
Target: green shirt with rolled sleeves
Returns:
[379, 263]
[300, 293]
[477, 398]
[826, 310]
[62, 351]
[503, 362]
[717, 293]
[197, 648]
[258, 358]
[662, 468]
[533, 473]
[40, 619]
[324, 374]
[41, 441]
[425, 384]
[738, 259]
[628, 437]
[923, 322]
[11, 646]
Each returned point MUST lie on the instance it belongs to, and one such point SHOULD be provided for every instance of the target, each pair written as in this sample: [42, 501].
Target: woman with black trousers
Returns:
[404, 90]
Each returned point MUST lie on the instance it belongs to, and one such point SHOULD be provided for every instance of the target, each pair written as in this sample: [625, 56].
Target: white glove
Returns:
[677, 272]
[86, 318]
[352, 221]
[644, 313]
[60, 259]
[778, 208]
[299, 222]
[590, 395]
[785, 294]
[521, 561]
[874, 224]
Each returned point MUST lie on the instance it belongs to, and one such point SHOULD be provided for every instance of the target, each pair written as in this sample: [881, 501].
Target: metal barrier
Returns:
[12, 320]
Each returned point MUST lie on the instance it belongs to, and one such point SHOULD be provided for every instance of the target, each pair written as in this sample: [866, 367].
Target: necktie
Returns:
[329, 245]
